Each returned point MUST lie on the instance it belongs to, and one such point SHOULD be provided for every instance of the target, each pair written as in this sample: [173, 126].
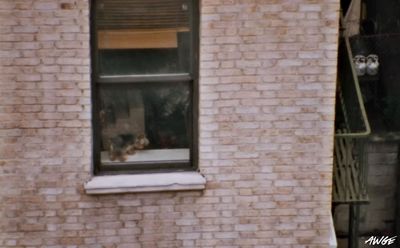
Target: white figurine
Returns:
[372, 64]
[360, 64]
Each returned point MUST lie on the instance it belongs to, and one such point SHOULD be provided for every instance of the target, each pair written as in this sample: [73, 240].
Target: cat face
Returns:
[141, 142]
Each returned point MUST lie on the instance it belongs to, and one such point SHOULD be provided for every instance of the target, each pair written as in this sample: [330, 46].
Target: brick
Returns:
[69, 108]
[48, 37]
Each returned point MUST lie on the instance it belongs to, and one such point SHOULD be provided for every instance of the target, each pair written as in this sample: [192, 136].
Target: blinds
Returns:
[142, 14]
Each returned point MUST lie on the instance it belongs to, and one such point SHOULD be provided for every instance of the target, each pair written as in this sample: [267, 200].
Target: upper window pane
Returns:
[143, 37]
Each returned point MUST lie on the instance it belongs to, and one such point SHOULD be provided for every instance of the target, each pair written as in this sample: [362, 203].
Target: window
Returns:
[144, 85]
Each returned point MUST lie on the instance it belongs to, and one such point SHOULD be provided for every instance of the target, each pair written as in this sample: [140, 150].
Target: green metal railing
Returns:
[349, 93]
[350, 184]
[352, 128]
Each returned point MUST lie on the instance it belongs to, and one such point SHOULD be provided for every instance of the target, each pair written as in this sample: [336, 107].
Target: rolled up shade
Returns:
[139, 14]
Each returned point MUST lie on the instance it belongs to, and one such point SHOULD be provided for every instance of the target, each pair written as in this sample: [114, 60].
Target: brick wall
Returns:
[267, 85]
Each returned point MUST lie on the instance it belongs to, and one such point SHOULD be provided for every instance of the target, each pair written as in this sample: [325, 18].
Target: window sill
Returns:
[145, 183]
[151, 155]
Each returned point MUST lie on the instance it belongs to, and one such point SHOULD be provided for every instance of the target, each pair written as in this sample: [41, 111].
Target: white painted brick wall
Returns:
[267, 86]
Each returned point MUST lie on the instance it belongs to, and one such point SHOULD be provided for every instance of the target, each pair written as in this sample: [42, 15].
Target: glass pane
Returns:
[145, 123]
[143, 37]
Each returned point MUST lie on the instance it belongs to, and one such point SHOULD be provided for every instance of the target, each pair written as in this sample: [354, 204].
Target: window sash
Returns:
[103, 168]
[167, 166]
[193, 6]
[170, 77]
[190, 77]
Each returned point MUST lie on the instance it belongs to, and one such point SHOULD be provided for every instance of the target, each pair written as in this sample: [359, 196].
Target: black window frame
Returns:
[191, 78]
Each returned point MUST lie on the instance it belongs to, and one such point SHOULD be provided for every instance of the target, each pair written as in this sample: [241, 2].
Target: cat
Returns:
[123, 145]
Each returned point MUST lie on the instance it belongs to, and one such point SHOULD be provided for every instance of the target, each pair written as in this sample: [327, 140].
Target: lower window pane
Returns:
[145, 123]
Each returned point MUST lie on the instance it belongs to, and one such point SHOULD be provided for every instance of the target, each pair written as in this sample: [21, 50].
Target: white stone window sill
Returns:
[151, 155]
[145, 183]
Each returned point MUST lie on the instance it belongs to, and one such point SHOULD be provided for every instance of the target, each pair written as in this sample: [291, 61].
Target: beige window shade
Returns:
[139, 39]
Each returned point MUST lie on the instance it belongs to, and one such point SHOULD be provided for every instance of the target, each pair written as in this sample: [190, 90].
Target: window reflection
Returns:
[145, 119]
